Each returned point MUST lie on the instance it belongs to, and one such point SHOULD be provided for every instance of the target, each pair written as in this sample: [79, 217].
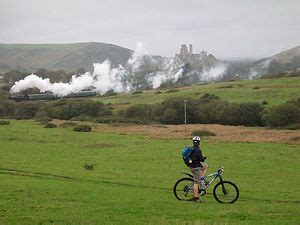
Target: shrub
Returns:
[265, 103]
[141, 111]
[50, 125]
[251, 114]
[256, 87]
[61, 112]
[283, 115]
[158, 92]
[88, 107]
[172, 90]
[203, 133]
[43, 120]
[7, 108]
[225, 86]
[208, 97]
[137, 92]
[121, 119]
[295, 126]
[83, 117]
[82, 128]
[4, 122]
[89, 166]
[26, 110]
[169, 117]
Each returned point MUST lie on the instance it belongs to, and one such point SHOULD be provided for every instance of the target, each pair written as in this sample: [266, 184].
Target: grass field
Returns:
[43, 182]
[274, 91]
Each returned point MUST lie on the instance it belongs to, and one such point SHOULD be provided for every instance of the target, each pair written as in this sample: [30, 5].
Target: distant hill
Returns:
[68, 57]
[288, 60]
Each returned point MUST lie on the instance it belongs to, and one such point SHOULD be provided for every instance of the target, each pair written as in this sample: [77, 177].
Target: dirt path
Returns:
[223, 133]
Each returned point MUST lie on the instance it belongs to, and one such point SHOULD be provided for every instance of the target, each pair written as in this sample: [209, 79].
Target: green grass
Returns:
[133, 179]
[274, 91]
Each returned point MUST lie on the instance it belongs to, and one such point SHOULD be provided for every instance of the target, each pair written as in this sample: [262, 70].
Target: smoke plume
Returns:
[103, 78]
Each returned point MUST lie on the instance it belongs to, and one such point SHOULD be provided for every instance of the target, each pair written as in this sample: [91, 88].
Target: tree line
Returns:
[208, 109]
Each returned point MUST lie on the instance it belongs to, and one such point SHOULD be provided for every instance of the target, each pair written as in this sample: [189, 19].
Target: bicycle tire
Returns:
[187, 190]
[219, 192]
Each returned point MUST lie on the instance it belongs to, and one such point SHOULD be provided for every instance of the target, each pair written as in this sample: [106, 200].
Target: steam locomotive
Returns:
[51, 96]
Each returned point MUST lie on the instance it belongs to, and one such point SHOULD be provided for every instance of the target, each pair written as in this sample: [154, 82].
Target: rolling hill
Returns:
[288, 60]
[273, 91]
[68, 57]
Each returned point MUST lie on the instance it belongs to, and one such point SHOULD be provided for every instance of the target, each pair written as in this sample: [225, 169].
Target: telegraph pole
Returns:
[185, 101]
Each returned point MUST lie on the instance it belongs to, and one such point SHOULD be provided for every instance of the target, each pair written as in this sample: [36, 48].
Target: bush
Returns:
[208, 97]
[88, 107]
[169, 117]
[88, 166]
[7, 108]
[4, 122]
[61, 112]
[172, 90]
[43, 120]
[26, 110]
[141, 111]
[82, 128]
[283, 115]
[295, 126]
[50, 125]
[225, 86]
[137, 92]
[251, 114]
[203, 133]
[158, 92]
[83, 117]
[121, 119]
[256, 87]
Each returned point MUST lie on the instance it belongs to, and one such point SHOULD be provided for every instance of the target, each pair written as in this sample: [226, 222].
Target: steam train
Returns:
[51, 96]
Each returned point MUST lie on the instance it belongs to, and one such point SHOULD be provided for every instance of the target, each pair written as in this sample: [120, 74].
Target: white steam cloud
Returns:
[119, 79]
[213, 73]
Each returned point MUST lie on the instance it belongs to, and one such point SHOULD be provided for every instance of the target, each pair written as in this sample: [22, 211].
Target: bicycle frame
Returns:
[214, 176]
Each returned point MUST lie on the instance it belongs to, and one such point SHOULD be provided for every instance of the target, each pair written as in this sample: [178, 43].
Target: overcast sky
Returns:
[226, 28]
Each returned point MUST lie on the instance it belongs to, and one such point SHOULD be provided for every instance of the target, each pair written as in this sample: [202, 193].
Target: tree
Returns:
[283, 115]
[251, 114]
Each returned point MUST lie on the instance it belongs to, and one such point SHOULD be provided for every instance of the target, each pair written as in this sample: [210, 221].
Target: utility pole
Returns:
[185, 101]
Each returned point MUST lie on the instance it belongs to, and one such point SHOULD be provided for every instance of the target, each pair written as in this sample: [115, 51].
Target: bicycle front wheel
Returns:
[183, 189]
[226, 192]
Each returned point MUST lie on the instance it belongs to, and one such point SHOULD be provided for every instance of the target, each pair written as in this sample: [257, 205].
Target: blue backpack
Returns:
[186, 152]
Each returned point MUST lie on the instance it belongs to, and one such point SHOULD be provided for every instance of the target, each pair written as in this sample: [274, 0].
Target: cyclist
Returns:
[198, 167]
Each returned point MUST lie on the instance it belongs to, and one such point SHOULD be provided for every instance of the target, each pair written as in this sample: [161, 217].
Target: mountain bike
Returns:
[224, 191]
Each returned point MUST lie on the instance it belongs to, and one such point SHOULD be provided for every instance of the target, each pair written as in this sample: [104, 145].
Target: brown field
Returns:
[223, 133]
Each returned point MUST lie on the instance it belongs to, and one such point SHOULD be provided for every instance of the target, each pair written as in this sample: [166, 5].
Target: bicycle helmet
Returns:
[196, 138]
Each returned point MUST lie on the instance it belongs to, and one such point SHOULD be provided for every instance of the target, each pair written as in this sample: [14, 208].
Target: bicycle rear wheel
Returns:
[226, 192]
[183, 189]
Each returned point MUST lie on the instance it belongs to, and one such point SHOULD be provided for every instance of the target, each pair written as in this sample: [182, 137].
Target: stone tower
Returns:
[184, 53]
[191, 50]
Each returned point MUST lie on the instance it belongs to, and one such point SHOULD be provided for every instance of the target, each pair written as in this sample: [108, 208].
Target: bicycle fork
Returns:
[223, 186]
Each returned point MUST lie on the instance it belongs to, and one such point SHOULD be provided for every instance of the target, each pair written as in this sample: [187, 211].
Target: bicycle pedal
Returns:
[202, 192]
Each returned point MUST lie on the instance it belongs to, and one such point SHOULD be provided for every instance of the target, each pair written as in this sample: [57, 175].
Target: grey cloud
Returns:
[229, 28]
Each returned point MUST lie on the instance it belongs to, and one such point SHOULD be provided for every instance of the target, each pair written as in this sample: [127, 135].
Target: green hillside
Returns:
[273, 91]
[68, 57]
